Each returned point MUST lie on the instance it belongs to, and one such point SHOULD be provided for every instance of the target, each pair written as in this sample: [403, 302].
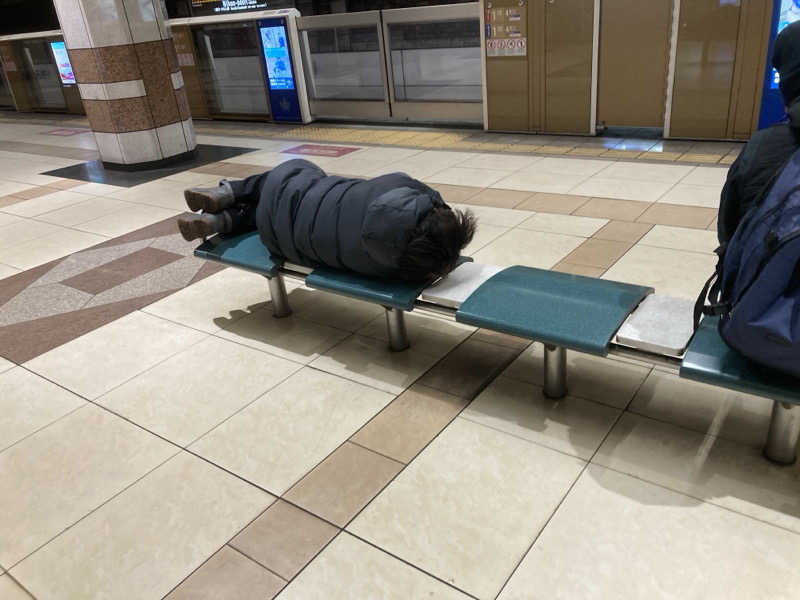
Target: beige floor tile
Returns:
[279, 438]
[28, 403]
[55, 245]
[469, 368]
[565, 267]
[8, 187]
[540, 181]
[498, 217]
[553, 203]
[647, 172]
[620, 537]
[21, 231]
[497, 198]
[678, 216]
[622, 189]
[193, 178]
[215, 302]
[412, 420]
[683, 194]
[681, 238]
[61, 473]
[462, 176]
[713, 225]
[348, 568]
[567, 224]
[5, 365]
[456, 193]
[341, 485]
[623, 231]
[724, 473]
[96, 189]
[7, 219]
[484, 234]
[608, 208]
[229, 575]
[75, 214]
[292, 338]
[608, 381]
[707, 409]
[571, 425]
[469, 506]
[626, 154]
[94, 363]
[194, 391]
[671, 272]
[9, 590]
[501, 162]
[6, 271]
[571, 166]
[714, 176]
[597, 253]
[47, 203]
[657, 155]
[530, 248]
[370, 361]
[127, 220]
[333, 310]
[284, 538]
[700, 158]
[146, 540]
[436, 335]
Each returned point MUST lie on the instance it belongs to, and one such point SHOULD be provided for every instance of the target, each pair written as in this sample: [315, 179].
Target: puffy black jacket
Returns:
[755, 170]
[313, 219]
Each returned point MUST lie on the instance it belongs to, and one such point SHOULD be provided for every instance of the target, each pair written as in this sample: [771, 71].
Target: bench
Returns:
[563, 311]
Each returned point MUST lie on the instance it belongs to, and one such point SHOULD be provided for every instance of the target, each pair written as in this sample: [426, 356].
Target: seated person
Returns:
[391, 226]
[763, 158]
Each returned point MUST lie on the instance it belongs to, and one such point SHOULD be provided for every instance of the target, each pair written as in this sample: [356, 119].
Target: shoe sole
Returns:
[195, 228]
[197, 202]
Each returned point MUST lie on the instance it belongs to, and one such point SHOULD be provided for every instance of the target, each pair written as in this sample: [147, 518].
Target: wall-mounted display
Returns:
[62, 62]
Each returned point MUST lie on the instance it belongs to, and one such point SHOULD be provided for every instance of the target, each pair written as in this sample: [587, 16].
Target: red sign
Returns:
[317, 150]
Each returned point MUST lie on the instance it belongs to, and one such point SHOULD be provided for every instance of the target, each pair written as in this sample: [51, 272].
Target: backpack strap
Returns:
[712, 292]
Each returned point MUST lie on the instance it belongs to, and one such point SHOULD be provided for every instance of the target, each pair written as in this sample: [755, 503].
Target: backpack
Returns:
[755, 290]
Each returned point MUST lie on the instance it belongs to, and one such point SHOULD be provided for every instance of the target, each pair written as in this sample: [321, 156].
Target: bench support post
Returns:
[280, 300]
[396, 327]
[784, 430]
[555, 371]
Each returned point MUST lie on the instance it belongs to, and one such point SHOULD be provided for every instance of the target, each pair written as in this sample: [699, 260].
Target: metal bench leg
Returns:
[784, 430]
[280, 300]
[396, 326]
[555, 371]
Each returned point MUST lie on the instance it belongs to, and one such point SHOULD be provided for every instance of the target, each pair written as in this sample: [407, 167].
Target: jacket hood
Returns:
[389, 222]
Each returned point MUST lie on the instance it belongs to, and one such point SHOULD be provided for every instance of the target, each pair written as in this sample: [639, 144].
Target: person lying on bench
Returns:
[391, 226]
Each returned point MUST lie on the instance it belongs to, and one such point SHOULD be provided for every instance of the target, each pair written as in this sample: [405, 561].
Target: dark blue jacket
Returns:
[313, 219]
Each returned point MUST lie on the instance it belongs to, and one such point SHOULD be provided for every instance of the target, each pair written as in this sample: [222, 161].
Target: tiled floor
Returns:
[161, 435]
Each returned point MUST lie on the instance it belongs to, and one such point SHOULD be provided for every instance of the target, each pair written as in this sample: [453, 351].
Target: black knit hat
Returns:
[786, 59]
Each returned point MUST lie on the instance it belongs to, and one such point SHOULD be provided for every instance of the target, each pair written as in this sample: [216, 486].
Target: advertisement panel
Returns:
[62, 62]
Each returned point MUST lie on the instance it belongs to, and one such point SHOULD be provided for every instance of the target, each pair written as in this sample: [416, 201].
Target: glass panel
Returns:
[231, 69]
[437, 61]
[41, 75]
[345, 64]
[6, 99]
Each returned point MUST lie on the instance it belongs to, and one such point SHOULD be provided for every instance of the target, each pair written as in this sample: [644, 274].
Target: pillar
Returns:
[124, 60]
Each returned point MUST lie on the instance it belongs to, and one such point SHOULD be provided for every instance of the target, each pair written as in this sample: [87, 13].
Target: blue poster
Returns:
[276, 54]
[62, 62]
[790, 12]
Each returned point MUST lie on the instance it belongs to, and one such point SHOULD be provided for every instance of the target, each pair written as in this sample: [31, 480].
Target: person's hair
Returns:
[436, 243]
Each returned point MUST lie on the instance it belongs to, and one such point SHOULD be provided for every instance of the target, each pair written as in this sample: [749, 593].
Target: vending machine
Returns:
[287, 94]
[785, 12]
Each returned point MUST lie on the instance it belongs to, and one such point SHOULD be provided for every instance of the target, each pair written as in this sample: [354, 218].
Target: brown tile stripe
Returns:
[155, 68]
[119, 116]
[121, 270]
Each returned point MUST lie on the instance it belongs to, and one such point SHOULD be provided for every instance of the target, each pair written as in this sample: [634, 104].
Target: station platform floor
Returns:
[162, 436]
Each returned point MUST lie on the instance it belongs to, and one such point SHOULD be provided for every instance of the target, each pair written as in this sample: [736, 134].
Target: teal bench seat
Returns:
[559, 309]
[710, 360]
[243, 251]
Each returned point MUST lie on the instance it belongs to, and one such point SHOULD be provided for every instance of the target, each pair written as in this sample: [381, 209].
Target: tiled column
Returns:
[124, 61]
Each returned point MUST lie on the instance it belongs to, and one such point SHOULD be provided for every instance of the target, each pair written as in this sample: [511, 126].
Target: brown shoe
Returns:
[193, 226]
[210, 200]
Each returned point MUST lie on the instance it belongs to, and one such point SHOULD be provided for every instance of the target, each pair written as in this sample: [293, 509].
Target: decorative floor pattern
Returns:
[54, 303]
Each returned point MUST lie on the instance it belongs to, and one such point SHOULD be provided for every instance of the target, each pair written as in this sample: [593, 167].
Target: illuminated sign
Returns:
[200, 7]
[790, 12]
[276, 54]
[62, 62]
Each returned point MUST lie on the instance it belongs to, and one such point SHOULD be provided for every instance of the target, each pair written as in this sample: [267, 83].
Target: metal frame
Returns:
[453, 111]
[280, 300]
[378, 110]
[595, 68]
[673, 59]
[396, 328]
[784, 431]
